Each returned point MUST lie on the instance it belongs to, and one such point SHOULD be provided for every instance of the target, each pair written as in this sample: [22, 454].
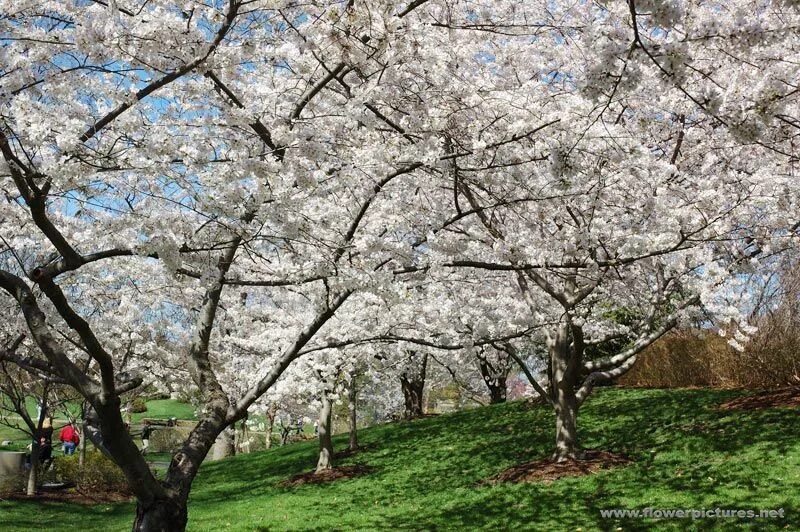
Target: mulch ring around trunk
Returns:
[71, 496]
[782, 397]
[546, 470]
[328, 475]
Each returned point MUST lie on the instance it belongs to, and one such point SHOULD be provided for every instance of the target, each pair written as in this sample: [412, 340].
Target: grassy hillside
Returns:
[165, 409]
[427, 473]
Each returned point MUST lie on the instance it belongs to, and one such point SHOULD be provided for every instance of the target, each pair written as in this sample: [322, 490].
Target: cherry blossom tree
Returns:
[155, 154]
[204, 192]
[667, 166]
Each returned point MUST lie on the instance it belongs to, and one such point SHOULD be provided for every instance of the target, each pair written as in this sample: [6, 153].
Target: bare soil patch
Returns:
[330, 475]
[547, 470]
[782, 397]
[72, 496]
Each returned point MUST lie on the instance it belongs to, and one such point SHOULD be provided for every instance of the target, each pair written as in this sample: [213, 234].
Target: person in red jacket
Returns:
[70, 438]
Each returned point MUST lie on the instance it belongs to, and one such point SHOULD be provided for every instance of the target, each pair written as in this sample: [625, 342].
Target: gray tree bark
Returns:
[225, 444]
[325, 460]
[33, 473]
[161, 515]
[566, 350]
[412, 383]
[36, 447]
[352, 396]
[270, 426]
[495, 380]
[82, 448]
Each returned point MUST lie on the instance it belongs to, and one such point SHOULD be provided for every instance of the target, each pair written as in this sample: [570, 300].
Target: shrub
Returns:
[13, 483]
[138, 406]
[168, 439]
[98, 474]
[702, 358]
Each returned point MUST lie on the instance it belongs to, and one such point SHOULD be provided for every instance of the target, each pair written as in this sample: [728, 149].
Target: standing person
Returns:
[69, 438]
[147, 430]
[46, 442]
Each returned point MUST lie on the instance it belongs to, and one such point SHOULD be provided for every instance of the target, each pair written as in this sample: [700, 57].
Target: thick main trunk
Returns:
[412, 383]
[169, 506]
[325, 460]
[497, 393]
[412, 396]
[161, 515]
[495, 381]
[353, 418]
[567, 447]
[566, 350]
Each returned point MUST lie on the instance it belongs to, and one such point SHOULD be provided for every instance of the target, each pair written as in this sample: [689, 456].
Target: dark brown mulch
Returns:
[71, 495]
[788, 397]
[547, 470]
[330, 475]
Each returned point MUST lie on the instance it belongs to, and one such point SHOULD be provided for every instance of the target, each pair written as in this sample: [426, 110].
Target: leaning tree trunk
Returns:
[325, 443]
[161, 515]
[225, 445]
[412, 383]
[565, 356]
[352, 396]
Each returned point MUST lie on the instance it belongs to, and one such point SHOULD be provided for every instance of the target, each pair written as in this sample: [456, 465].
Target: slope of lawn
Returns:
[427, 473]
[165, 409]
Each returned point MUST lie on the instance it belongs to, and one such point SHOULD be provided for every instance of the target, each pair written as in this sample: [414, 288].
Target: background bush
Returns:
[98, 473]
[138, 406]
[687, 358]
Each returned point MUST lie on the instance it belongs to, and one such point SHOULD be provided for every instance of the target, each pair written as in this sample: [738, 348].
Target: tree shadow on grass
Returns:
[689, 455]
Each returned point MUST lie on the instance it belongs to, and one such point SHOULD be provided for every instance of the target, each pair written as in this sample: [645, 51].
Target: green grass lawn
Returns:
[17, 438]
[165, 409]
[428, 472]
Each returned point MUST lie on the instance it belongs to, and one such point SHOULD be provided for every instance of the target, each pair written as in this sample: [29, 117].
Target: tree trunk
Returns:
[82, 449]
[412, 382]
[225, 445]
[352, 396]
[567, 447]
[495, 382]
[412, 395]
[325, 444]
[270, 426]
[161, 515]
[497, 393]
[244, 438]
[33, 473]
[565, 356]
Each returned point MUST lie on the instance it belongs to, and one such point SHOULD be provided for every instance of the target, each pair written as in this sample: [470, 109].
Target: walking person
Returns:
[69, 438]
